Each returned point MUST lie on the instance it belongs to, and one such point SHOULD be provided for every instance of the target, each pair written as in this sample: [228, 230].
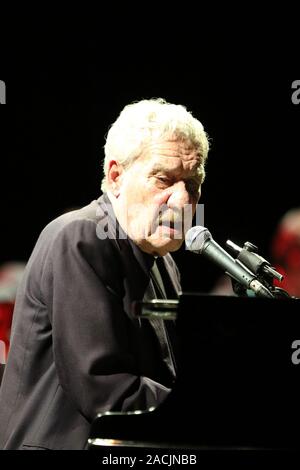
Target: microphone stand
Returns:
[260, 267]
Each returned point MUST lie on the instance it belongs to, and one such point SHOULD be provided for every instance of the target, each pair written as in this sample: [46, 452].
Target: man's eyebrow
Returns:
[158, 167]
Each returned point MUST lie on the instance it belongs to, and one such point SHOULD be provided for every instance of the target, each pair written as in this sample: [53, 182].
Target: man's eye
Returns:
[162, 179]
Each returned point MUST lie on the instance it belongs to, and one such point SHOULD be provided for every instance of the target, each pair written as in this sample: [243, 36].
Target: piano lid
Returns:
[237, 384]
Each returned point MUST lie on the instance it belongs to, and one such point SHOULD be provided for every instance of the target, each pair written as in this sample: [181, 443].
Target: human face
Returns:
[158, 194]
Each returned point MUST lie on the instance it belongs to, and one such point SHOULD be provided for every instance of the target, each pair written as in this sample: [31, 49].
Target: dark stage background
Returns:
[61, 99]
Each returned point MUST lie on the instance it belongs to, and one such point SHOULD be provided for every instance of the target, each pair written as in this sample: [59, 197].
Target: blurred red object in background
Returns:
[10, 276]
[6, 311]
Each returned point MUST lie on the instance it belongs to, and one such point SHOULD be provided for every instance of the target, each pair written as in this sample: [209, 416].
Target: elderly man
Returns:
[76, 347]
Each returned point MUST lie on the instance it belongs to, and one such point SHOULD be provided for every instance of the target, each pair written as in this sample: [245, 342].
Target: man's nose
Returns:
[179, 196]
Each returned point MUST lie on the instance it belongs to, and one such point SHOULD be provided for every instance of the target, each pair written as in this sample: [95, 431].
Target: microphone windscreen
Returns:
[196, 237]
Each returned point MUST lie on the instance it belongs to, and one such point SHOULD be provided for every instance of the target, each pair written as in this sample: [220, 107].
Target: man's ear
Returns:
[114, 176]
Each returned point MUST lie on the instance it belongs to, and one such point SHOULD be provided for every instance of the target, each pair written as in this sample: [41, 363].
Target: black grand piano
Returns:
[238, 383]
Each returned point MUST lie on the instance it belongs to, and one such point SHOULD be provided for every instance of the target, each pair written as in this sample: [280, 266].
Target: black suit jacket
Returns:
[76, 347]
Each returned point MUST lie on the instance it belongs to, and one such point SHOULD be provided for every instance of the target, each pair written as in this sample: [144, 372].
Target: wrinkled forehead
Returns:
[172, 155]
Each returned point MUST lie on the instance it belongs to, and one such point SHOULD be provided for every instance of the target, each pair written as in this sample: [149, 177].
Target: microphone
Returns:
[199, 240]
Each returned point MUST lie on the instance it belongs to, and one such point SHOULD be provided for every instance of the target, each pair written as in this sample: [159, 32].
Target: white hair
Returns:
[140, 122]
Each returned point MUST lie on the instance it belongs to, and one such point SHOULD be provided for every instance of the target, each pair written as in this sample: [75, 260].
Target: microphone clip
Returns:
[259, 266]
